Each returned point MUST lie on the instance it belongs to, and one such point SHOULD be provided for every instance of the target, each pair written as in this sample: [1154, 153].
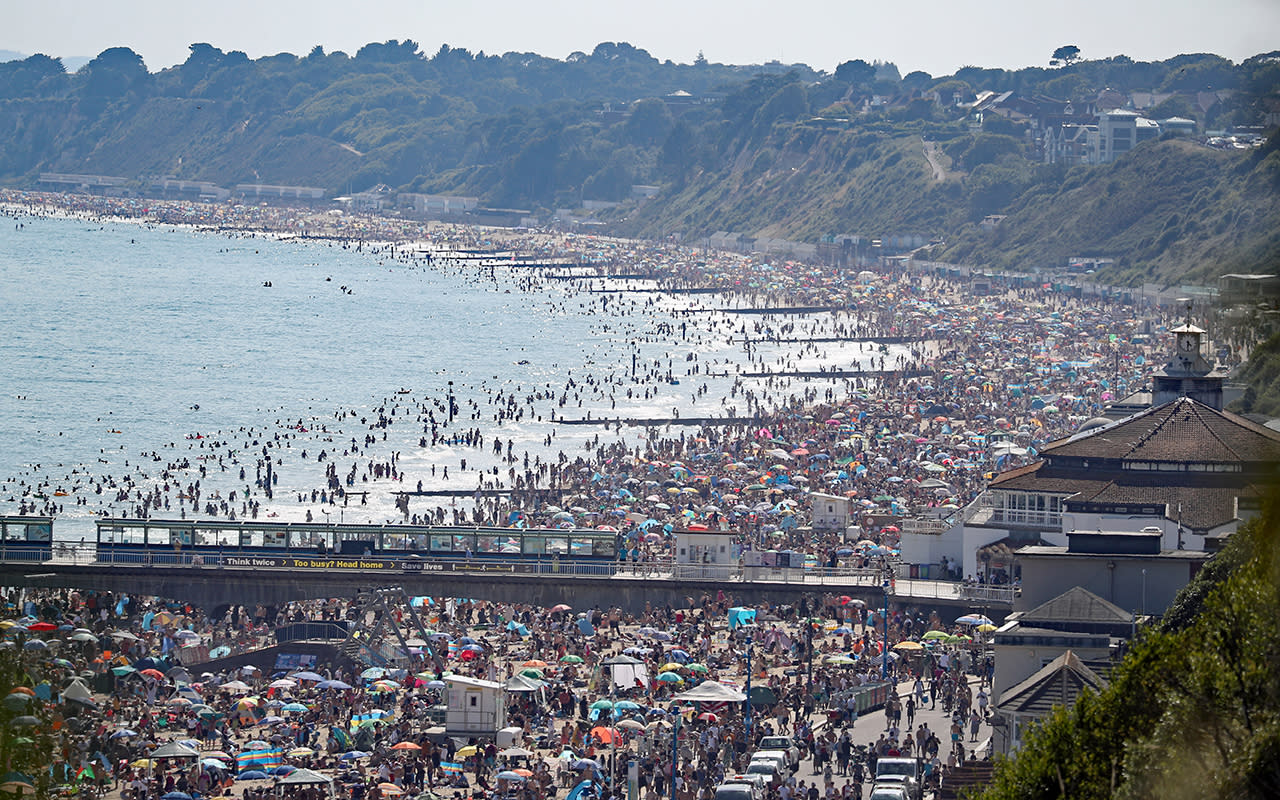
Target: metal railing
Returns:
[530, 568]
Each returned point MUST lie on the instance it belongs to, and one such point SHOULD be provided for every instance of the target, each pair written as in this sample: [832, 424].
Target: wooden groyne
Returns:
[659, 421]
[779, 310]
[871, 339]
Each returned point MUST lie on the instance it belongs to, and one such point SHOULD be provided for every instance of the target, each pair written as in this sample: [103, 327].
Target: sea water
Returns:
[126, 347]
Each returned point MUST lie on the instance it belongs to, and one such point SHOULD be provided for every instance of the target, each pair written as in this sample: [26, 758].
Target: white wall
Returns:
[1016, 663]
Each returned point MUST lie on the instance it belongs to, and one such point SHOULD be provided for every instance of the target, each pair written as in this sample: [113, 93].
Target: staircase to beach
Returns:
[970, 775]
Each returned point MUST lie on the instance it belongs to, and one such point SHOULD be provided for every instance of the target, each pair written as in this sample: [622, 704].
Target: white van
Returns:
[781, 757]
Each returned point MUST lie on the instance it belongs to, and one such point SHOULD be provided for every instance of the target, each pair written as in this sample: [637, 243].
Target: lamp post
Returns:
[675, 752]
[808, 647]
[747, 715]
[884, 661]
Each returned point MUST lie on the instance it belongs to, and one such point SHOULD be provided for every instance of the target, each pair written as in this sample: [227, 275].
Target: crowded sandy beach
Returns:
[904, 393]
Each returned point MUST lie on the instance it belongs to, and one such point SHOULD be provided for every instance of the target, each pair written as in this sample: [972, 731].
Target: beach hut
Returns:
[475, 707]
[707, 554]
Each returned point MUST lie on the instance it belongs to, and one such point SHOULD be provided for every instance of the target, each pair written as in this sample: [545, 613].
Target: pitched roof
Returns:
[1058, 683]
[1181, 430]
[1200, 501]
[1077, 604]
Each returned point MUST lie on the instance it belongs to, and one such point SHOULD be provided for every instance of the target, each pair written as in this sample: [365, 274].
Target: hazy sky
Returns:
[937, 36]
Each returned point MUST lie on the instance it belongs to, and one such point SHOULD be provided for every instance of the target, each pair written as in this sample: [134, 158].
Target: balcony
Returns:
[986, 514]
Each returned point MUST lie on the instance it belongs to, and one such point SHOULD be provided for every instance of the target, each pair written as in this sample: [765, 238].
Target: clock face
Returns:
[1187, 344]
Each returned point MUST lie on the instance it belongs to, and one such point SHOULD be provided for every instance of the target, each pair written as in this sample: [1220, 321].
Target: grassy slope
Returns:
[803, 184]
[1169, 212]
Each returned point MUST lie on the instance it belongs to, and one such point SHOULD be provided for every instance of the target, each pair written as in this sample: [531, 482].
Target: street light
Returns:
[884, 661]
[747, 719]
[675, 752]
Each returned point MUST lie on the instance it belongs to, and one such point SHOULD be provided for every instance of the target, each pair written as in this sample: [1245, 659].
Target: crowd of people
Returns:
[130, 715]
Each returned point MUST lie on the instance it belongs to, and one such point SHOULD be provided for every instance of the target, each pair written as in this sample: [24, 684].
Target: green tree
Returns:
[679, 152]
[115, 71]
[649, 122]
[1067, 54]
[857, 73]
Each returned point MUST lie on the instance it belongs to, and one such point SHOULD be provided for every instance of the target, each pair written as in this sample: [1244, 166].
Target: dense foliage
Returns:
[1261, 377]
[775, 150]
[1193, 711]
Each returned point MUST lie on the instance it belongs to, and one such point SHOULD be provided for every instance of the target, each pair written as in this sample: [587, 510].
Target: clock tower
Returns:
[1188, 373]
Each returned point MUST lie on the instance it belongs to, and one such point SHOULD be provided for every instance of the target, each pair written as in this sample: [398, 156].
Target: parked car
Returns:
[785, 744]
[888, 791]
[770, 769]
[738, 791]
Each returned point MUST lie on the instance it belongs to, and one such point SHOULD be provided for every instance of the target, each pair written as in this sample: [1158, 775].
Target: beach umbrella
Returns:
[510, 775]
[908, 646]
[406, 746]
[307, 676]
[466, 752]
[175, 796]
[301, 752]
[252, 775]
[570, 659]
[352, 755]
[603, 734]
[973, 619]
[283, 683]
[213, 763]
[669, 677]
[931, 635]
[294, 707]
[333, 684]
[603, 705]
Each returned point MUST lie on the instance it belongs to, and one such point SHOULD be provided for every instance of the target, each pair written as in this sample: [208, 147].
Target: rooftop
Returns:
[1059, 683]
[1183, 430]
[1076, 604]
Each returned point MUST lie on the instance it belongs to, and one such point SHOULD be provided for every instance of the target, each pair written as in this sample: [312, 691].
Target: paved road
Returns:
[868, 728]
